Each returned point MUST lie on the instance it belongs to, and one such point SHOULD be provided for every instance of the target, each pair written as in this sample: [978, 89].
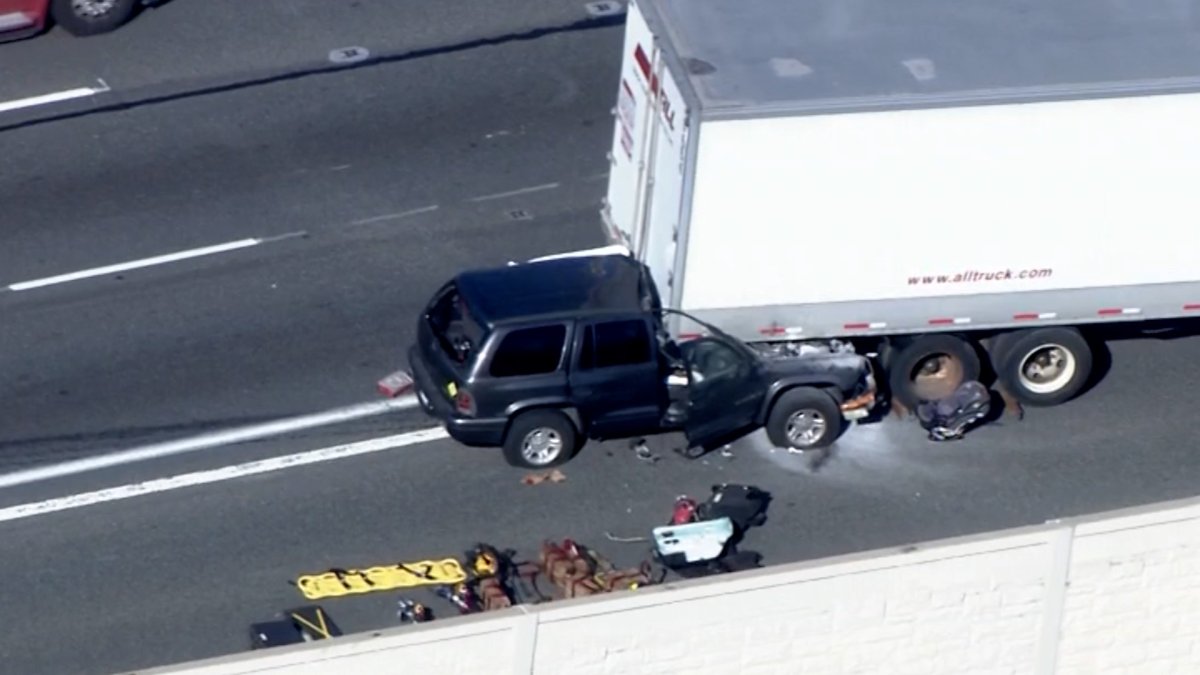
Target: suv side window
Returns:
[712, 361]
[616, 343]
[529, 351]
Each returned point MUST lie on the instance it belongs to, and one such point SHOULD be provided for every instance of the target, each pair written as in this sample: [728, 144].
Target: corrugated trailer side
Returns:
[939, 184]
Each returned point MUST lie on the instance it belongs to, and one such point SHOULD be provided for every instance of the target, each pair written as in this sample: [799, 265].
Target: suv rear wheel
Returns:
[539, 439]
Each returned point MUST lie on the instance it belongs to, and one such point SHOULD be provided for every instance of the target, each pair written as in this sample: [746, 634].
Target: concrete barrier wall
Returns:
[1116, 592]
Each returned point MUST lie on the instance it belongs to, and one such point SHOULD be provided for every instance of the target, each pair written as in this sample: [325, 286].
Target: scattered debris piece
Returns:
[302, 624]
[624, 540]
[642, 451]
[553, 475]
[411, 611]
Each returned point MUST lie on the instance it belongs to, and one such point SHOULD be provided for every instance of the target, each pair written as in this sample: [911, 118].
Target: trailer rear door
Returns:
[649, 153]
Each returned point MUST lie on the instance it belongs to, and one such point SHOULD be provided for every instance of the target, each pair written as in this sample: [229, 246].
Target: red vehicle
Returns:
[23, 18]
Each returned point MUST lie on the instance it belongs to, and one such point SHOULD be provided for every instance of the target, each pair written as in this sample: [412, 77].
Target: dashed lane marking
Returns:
[55, 97]
[213, 439]
[395, 216]
[150, 262]
[514, 193]
[132, 490]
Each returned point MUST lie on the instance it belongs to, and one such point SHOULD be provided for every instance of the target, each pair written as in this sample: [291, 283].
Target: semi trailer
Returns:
[946, 186]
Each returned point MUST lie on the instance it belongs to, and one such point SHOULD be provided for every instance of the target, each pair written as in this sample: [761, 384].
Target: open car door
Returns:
[724, 394]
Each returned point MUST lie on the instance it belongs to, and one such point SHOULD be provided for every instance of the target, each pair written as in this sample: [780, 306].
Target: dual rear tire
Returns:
[1038, 367]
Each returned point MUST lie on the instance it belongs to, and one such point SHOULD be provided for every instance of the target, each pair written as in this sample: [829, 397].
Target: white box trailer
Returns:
[936, 182]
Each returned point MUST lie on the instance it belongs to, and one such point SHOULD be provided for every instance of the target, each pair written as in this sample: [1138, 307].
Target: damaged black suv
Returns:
[537, 357]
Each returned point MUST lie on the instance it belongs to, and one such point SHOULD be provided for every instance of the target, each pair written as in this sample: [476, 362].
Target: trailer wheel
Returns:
[804, 419]
[1042, 366]
[930, 367]
[91, 17]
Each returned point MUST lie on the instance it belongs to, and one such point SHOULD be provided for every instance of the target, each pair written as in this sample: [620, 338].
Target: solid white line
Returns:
[513, 193]
[148, 262]
[394, 216]
[55, 97]
[222, 474]
[206, 441]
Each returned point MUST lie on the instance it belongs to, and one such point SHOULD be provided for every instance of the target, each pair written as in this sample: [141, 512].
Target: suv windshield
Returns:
[455, 329]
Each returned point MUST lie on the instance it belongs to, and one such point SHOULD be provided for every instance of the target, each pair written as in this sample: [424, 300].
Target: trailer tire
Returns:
[1042, 367]
[93, 17]
[958, 362]
[804, 418]
[521, 443]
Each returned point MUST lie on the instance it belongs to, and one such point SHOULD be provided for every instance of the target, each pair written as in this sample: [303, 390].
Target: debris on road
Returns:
[538, 477]
[576, 571]
[642, 451]
[703, 538]
[411, 611]
[624, 540]
[302, 624]
[700, 538]
[397, 383]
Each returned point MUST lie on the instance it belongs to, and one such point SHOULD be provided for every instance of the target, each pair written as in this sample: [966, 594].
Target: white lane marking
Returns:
[340, 167]
[206, 441]
[394, 216]
[55, 97]
[513, 193]
[222, 474]
[149, 262]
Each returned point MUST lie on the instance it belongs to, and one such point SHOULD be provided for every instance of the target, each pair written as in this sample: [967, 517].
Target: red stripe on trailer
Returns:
[643, 62]
[857, 326]
[1192, 307]
[1109, 311]
[690, 336]
[1025, 316]
[772, 330]
[940, 322]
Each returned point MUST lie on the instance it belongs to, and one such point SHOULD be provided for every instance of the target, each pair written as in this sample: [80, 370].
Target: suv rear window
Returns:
[529, 351]
[456, 331]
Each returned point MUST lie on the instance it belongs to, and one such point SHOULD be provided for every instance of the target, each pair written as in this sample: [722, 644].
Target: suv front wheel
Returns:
[539, 439]
[804, 419]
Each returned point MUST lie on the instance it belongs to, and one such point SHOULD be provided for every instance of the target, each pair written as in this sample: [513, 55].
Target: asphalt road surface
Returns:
[180, 575]
[395, 176]
[339, 173]
[189, 44]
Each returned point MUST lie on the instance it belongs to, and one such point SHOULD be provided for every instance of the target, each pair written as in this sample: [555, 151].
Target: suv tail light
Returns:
[464, 403]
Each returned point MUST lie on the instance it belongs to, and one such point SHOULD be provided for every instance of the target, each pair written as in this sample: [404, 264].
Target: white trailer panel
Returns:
[945, 202]
[835, 167]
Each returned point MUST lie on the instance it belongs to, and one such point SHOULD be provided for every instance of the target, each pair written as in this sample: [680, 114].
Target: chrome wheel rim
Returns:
[541, 446]
[1047, 368]
[805, 427]
[92, 9]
